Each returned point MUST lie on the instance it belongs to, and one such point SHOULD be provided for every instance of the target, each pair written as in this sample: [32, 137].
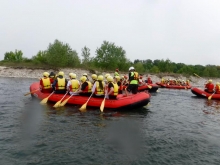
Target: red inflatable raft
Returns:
[201, 93]
[149, 87]
[122, 101]
[174, 86]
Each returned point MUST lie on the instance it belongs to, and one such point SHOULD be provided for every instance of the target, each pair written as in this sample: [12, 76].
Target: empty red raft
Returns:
[122, 101]
[201, 93]
[149, 87]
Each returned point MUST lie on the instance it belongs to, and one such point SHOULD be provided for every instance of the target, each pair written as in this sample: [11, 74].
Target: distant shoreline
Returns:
[37, 73]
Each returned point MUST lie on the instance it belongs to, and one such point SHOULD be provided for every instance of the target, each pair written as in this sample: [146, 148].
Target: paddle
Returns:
[44, 101]
[58, 102]
[83, 107]
[31, 92]
[197, 75]
[102, 105]
[149, 86]
[210, 97]
[65, 101]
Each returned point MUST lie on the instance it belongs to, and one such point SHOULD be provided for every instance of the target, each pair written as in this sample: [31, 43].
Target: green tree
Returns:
[40, 57]
[86, 56]
[154, 69]
[16, 56]
[109, 57]
[61, 55]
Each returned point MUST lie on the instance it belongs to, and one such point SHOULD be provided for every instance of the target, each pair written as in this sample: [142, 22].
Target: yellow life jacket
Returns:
[98, 90]
[60, 83]
[46, 83]
[74, 85]
[89, 86]
[135, 78]
[115, 85]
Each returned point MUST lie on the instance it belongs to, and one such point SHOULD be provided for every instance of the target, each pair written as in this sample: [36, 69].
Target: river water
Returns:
[176, 128]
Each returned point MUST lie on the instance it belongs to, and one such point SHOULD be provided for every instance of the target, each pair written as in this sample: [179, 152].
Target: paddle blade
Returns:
[44, 101]
[210, 97]
[83, 107]
[149, 86]
[64, 102]
[102, 105]
[57, 104]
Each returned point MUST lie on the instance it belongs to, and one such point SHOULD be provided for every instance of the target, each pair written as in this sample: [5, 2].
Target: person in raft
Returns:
[52, 77]
[45, 83]
[85, 74]
[187, 83]
[94, 78]
[217, 88]
[133, 81]
[141, 81]
[149, 81]
[209, 87]
[59, 84]
[116, 72]
[99, 87]
[112, 88]
[86, 87]
[106, 75]
[73, 84]
[120, 86]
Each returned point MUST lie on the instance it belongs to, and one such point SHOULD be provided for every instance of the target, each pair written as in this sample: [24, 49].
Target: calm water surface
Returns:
[176, 128]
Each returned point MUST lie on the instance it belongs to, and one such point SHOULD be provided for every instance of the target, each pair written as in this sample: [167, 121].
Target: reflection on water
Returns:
[176, 128]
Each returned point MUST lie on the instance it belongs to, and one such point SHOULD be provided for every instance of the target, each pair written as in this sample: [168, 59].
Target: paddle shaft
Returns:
[31, 92]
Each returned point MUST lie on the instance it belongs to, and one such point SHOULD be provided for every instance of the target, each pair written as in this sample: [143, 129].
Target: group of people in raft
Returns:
[100, 86]
[175, 82]
[211, 88]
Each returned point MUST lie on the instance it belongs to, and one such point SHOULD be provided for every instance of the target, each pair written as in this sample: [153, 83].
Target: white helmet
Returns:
[131, 68]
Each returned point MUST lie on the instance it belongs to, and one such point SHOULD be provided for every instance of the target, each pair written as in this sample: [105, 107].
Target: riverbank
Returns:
[37, 73]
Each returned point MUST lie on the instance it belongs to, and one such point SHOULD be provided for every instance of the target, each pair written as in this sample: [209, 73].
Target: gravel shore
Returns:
[37, 73]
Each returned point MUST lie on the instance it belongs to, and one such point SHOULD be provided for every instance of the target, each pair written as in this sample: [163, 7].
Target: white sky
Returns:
[184, 31]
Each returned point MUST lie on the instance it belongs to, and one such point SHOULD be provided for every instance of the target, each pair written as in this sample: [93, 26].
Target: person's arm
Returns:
[94, 87]
[68, 85]
[54, 84]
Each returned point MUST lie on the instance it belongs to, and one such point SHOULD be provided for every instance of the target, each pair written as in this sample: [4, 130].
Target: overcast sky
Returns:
[183, 31]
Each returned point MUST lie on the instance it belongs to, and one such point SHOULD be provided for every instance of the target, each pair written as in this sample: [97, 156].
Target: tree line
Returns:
[108, 57]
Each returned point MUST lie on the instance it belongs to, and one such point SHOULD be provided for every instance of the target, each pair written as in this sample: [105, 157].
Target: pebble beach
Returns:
[37, 73]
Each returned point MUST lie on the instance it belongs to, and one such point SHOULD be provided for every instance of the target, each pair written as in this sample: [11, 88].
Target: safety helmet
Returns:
[125, 77]
[83, 78]
[94, 76]
[100, 77]
[122, 77]
[109, 78]
[131, 68]
[141, 77]
[187, 80]
[210, 80]
[61, 73]
[217, 83]
[52, 74]
[45, 74]
[106, 75]
[85, 74]
[72, 75]
[117, 78]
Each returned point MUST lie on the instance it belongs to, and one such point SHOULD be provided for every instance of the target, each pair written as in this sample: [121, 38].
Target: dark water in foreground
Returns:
[176, 128]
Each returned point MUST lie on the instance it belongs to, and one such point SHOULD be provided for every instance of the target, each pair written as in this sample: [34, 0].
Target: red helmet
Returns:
[125, 77]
